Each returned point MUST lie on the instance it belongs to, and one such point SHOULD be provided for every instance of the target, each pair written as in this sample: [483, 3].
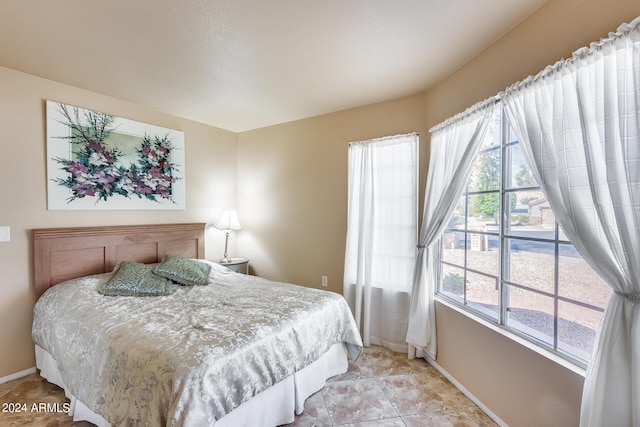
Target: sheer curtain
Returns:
[580, 124]
[381, 237]
[453, 147]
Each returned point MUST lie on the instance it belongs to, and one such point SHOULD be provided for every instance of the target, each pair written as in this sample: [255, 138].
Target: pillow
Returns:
[183, 271]
[135, 279]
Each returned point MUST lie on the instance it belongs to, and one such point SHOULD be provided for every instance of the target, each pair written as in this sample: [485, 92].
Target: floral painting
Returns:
[100, 161]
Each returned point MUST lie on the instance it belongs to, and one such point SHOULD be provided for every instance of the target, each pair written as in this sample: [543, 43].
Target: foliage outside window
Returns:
[504, 257]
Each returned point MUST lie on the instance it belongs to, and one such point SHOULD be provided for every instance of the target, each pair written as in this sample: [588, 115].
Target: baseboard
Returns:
[466, 392]
[17, 375]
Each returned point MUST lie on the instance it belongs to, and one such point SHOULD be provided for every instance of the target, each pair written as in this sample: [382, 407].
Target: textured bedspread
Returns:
[191, 357]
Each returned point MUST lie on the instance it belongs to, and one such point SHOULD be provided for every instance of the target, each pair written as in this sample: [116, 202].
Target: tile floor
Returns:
[381, 389]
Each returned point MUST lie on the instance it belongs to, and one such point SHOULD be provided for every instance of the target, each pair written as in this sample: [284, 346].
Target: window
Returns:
[504, 257]
[381, 236]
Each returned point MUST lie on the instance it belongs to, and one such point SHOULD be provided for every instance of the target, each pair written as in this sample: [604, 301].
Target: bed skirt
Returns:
[275, 406]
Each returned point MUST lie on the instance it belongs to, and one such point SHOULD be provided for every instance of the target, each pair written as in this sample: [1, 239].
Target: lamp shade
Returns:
[228, 221]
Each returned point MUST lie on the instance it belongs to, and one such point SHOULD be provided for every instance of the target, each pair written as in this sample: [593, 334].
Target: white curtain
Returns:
[579, 121]
[454, 144]
[381, 237]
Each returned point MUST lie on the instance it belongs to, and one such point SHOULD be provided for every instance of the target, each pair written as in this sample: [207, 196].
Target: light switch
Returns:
[5, 233]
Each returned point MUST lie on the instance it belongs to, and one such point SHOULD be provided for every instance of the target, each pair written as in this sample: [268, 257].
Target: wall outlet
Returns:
[5, 234]
[325, 281]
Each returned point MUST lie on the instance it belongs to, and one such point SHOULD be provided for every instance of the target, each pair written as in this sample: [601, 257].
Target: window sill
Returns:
[541, 351]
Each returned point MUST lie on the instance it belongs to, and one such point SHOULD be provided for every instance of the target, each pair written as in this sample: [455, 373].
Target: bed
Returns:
[239, 350]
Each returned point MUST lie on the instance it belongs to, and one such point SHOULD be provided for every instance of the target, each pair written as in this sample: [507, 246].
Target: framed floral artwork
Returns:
[97, 161]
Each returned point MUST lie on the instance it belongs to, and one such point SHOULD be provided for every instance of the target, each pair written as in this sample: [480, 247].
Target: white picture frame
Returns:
[98, 161]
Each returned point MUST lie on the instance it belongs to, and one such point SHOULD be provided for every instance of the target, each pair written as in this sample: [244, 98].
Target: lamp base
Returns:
[224, 259]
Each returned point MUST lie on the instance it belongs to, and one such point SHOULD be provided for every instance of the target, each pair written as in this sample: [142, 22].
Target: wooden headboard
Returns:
[67, 253]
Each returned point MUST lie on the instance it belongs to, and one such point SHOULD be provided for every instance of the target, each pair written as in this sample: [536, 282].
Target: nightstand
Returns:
[239, 265]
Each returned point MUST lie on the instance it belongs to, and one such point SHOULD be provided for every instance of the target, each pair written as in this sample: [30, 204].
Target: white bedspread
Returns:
[191, 357]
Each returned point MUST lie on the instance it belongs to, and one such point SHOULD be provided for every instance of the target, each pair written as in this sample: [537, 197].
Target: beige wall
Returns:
[292, 188]
[210, 181]
[292, 193]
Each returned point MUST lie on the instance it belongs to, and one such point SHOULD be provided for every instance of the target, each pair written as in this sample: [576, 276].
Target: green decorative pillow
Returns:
[184, 271]
[134, 279]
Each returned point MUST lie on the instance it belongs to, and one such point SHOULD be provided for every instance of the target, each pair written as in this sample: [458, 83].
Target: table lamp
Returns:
[228, 221]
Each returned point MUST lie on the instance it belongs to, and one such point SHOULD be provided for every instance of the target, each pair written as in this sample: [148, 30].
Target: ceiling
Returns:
[245, 64]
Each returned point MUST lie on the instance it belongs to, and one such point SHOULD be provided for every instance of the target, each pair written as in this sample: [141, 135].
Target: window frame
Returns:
[505, 235]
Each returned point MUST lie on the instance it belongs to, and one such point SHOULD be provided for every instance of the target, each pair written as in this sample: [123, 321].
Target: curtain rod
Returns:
[366, 141]
[623, 29]
[466, 114]
[584, 52]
